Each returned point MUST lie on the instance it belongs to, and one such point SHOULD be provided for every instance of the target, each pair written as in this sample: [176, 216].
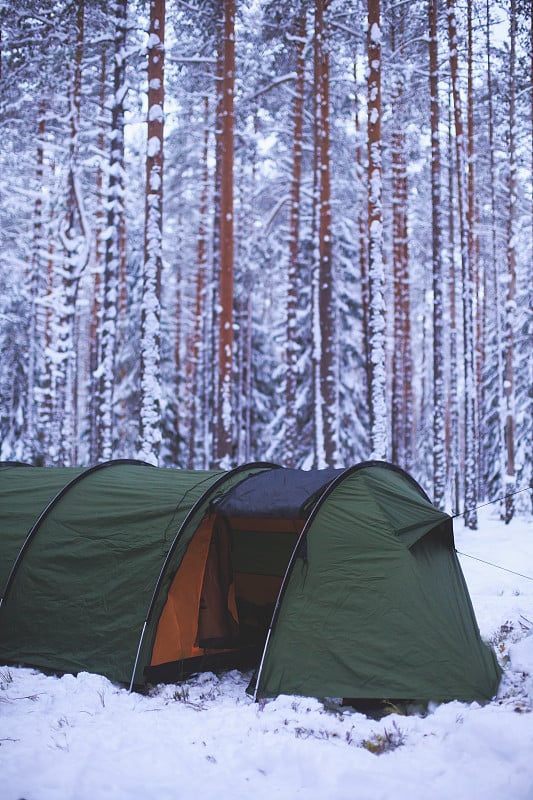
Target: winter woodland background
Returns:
[236, 230]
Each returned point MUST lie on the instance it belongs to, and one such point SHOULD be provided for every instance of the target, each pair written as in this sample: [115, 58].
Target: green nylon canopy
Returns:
[373, 605]
[82, 590]
[376, 605]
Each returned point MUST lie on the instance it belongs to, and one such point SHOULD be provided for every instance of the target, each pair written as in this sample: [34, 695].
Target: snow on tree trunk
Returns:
[376, 322]
[453, 414]
[115, 215]
[46, 386]
[73, 235]
[325, 380]
[245, 243]
[473, 255]
[510, 300]
[150, 375]
[402, 377]
[531, 266]
[179, 405]
[439, 428]
[196, 348]
[35, 278]
[470, 472]
[95, 380]
[492, 279]
[225, 318]
[294, 245]
[362, 235]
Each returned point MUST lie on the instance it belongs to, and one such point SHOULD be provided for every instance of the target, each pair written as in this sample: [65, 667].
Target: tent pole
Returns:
[137, 656]
[261, 664]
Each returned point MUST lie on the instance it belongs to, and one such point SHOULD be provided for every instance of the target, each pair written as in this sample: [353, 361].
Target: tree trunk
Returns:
[76, 255]
[362, 236]
[473, 249]
[115, 216]
[492, 280]
[376, 323]
[510, 300]
[35, 280]
[470, 474]
[439, 428]
[225, 319]
[95, 381]
[150, 377]
[325, 391]
[453, 416]
[197, 345]
[294, 245]
[401, 359]
[47, 380]
[531, 271]
[245, 242]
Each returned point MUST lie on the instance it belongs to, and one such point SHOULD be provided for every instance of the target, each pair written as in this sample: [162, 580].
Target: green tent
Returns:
[333, 583]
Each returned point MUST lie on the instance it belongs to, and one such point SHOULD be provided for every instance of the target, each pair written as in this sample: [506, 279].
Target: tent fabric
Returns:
[21, 501]
[379, 574]
[81, 593]
[346, 581]
[279, 494]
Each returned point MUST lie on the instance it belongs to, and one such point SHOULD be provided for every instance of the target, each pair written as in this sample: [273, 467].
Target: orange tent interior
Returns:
[223, 594]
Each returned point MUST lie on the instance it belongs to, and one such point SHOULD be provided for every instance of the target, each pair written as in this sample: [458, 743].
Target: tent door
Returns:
[217, 616]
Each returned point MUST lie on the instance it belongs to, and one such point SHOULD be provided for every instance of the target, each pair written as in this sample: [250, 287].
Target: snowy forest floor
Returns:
[84, 738]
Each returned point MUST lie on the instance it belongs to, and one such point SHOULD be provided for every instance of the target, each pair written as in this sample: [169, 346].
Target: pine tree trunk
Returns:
[179, 406]
[150, 377]
[95, 382]
[470, 473]
[325, 391]
[378, 402]
[453, 415]
[398, 413]
[473, 247]
[225, 319]
[212, 371]
[115, 215]
[362, 236]
[401, 359]
[245, 242]
[35, 280]
[439, 428]
[47, 378]
[197, 345]
[492, 280]
[76, 254]
[510, 300]
[531, 269]
[294, 245]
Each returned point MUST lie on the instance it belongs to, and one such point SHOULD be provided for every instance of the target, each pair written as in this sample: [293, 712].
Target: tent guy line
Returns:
[497, 566]
[491, 502]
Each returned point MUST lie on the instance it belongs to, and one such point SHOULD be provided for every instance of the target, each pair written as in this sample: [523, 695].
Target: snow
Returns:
[153, 147]
[87, 739]
[375, 34]
[153, 41]
[155, 113]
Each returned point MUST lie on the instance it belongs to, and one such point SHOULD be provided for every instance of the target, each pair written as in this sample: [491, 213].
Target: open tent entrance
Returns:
[222, 597]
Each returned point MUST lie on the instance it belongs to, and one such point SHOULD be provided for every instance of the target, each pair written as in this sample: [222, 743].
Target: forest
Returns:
[260, 230]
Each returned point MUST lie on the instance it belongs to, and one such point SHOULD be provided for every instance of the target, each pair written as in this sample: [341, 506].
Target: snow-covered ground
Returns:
[83, 738]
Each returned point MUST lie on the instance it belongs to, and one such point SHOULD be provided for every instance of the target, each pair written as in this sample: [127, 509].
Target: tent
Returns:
[333, 583]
